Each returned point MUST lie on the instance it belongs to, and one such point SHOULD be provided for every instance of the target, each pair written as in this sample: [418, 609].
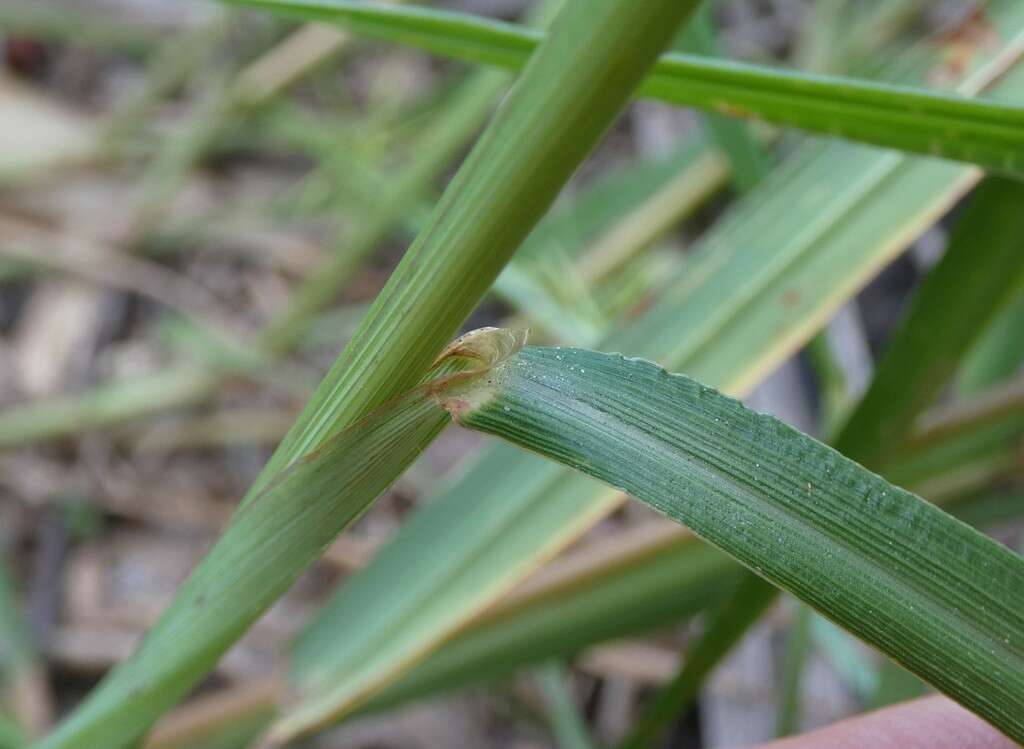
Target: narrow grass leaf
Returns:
[604, 227]
[567, 725]
[798, 649]
[434, 152]
[925, 361]
[660, 582]
[893, 569]
[987, 133]
[981, 272]
[998, 354]
[725, 626]
[109, 404]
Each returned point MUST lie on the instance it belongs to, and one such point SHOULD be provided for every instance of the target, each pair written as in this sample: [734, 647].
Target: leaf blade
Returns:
[908, 119]
[893, 569]
[982, 270]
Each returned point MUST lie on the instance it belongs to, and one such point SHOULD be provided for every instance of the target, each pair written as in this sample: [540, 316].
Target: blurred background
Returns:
[196, 206]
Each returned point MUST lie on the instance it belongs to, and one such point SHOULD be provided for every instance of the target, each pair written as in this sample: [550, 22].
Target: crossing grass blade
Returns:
[658, 583]
[893, 569]
[987, 133]
[605, 227]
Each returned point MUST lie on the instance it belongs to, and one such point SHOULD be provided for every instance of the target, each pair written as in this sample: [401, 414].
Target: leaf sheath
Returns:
[267, 545]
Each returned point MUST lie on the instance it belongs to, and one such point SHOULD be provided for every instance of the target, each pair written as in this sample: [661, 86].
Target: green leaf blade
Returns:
[895, 570]
[979, 274]
[920, 121]
[727, 623]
